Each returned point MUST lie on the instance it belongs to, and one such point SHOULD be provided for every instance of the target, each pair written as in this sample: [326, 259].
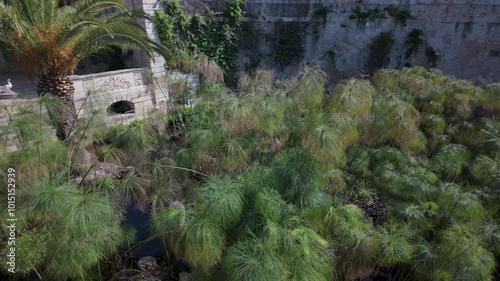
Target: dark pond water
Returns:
[140, 221]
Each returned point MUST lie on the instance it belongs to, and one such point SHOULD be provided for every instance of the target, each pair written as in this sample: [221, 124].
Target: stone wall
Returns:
[145, 87]
[100, 90]
[465, 34]
[157, 62]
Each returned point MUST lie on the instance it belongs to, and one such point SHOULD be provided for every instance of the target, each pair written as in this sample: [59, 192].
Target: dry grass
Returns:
[200, 64]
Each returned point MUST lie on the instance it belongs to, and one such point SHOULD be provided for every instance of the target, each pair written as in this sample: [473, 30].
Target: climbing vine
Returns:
[414, 40]
[432, 57]
[215, 33]
[321, 14]
[288, 46]
[331, 56]
[250, 44]
[379, 50]
[362, 16]
[400, 16]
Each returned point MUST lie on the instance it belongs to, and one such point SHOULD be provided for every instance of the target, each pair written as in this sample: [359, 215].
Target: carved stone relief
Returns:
[88, 85]
[115, 84]
[138, 81]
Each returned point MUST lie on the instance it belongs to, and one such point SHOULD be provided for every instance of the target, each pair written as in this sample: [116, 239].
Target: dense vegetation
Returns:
[215, 33]
[283, 181]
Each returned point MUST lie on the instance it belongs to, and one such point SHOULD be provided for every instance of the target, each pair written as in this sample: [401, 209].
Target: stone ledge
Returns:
[105, 74]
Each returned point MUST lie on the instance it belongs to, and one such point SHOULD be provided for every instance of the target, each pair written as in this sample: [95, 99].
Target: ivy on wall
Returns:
[414, 40]
[250, 44]
[288, 45]
[221, 34]
[379, 50]
[331, 56]
[362, 16]
[321, 14]
[432, 57]
[215, 33]
[400, 16]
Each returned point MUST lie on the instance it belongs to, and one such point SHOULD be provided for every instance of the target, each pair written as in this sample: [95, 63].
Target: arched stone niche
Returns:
[122, 107]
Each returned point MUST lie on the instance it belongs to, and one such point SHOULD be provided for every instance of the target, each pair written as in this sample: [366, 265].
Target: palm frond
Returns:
[48, 40]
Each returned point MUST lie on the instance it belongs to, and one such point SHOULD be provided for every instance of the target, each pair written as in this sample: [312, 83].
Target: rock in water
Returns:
[147, 263]
[185, 276]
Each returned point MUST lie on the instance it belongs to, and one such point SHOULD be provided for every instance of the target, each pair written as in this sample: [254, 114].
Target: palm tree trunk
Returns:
[64, 90]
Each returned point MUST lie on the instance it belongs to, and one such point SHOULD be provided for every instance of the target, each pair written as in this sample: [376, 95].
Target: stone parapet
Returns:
[103, 89]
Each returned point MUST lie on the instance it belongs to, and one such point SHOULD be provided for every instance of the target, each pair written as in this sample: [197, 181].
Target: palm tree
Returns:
[48, 41]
